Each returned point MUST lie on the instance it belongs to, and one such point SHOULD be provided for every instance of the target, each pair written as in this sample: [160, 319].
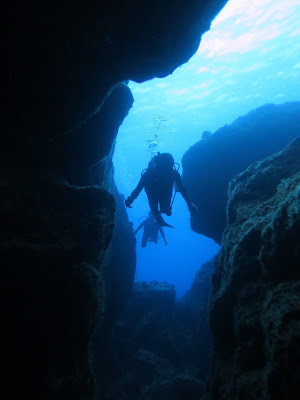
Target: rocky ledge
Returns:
[159, 347]
[211, 163]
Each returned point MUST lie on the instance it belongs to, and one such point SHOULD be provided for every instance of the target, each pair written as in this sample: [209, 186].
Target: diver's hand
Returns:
[166, 243]
[129, 201]
[192, 209]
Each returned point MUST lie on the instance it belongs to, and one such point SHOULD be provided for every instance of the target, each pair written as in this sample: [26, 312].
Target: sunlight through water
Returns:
[250, 57]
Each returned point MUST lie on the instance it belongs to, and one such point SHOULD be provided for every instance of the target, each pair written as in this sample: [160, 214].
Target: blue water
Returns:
[250, 57]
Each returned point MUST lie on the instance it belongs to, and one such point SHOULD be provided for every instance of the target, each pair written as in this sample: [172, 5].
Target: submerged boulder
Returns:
[211, 163]
[136, 351]
[178, 388]
[159, 347]
[256, 286]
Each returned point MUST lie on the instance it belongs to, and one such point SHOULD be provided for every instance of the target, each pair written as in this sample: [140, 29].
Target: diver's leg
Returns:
[165, 203]
[144, 240]
[153, 203]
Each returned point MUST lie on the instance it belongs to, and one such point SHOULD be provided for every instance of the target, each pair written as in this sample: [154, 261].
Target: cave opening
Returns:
[74, 324]
[246, 60]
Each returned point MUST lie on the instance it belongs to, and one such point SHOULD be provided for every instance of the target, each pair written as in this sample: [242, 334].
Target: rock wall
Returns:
[62, 64]
[159, 347]
[255, 304]
[210, 164]
[119, 263]
[60, 61]
[192, 312]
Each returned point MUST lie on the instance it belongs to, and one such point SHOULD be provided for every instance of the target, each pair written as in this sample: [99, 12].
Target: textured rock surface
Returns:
[159, 348]
[192, 314]
[256, 290]
[61, 60]
[210, 164]
[136, 351]
[51, 292]
[61, 68]
[54, 237]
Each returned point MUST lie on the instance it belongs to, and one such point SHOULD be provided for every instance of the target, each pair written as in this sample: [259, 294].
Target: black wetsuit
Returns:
[151, 230]
[158, 185]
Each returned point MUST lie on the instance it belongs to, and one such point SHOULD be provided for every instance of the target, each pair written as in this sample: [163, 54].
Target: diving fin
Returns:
[161, 222]
[166, 224]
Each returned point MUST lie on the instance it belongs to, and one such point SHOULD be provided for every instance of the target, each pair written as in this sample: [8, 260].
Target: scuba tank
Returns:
[162, 161]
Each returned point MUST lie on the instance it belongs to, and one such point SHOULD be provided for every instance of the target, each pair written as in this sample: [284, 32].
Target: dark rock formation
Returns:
[210, 164]
[52, 295]
[118, 265]
[59, 61]
[159, 348]
[62, 104]
[54, 238]
[193, 317]
[255, 305]
[137, 349]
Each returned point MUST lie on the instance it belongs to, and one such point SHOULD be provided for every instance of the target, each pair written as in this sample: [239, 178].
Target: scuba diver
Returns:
[158, 180]
[151, 230]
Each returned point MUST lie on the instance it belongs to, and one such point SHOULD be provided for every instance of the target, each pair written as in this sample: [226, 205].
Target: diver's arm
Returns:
[139, 227]
[130, 199]
[163, 234]
[181, 188]
[139, 188]
[192, 208]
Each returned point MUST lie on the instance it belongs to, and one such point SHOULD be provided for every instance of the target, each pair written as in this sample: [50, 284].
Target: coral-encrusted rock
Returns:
[256, 289]
[210, 164]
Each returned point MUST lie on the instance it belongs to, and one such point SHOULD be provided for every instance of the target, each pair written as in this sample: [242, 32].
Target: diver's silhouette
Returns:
[151, 230]
[158, 180]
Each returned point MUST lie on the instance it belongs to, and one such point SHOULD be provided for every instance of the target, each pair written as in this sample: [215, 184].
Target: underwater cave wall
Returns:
[62, 64]
[159, 347]
[255, 304]
[211, 163]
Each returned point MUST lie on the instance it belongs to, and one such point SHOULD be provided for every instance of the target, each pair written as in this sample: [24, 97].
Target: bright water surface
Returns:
[250, 57]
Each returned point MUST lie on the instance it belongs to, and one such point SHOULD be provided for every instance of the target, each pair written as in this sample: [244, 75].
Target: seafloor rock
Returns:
[210, 164]
[255, 305]
[135, 355]
[178, 388]
[159, 348]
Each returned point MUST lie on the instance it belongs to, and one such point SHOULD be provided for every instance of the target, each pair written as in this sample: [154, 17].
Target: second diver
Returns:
[151, 230]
